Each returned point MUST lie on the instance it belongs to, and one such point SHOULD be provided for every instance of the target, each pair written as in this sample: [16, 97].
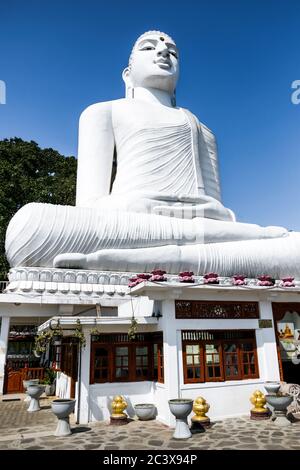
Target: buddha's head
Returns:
[153, 63]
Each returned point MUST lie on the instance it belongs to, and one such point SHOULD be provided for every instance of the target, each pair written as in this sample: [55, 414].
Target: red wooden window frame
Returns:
[114, 361]
[243, 358]
[194, 364]
[160, 362]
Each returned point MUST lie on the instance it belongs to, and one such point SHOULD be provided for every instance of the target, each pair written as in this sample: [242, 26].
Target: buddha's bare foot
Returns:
[70, 260]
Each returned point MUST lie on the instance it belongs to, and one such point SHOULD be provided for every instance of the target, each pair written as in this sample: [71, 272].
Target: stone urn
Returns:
[181, 408]
[62, 408]
[272, 388]
[145, 411]
[26, 383]
[280, 404]
[35, 391]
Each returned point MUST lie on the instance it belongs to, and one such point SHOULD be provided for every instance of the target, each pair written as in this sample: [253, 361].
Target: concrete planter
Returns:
[145, 411]
[181, 408]
[280, 404]
[35, 391]
[26, 384]
[272, 388]
[62, 408]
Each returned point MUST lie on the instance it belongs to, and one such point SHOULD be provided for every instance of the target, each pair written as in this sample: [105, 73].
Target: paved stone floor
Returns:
[22, 430]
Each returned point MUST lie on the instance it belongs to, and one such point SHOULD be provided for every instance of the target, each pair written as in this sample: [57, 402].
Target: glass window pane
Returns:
[209, 358]
[196, 359]
[122, 351]
[124, 372]
[138, 360]
[211, 348]
[217, 371]
[197, 372]
[118, 361]
[141, 350]
[216, 359]
[247, 346]
[190, 372]
[189, 360]
[125, 361]
[246, 369]
[230, 347]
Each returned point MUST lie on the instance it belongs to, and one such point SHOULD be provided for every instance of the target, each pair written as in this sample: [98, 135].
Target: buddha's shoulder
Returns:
[101, 110]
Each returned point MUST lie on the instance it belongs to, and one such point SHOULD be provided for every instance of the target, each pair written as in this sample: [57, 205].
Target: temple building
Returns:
[148, 287]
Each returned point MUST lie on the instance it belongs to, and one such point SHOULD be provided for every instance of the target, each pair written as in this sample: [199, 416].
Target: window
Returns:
[116, 359]
[214, 356]
[193, 355]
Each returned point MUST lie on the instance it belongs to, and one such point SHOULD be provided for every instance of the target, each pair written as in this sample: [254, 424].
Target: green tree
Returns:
[31, 174]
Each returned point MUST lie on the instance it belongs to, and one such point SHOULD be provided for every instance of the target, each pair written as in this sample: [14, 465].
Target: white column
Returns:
[82, 393]
[3, 348]
[266, 345]
[171, 375]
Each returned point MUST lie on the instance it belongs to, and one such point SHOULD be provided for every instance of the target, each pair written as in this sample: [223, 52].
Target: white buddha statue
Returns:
[164, 209]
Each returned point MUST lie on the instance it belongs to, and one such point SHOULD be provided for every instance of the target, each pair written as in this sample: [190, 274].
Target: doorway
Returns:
[287, 330]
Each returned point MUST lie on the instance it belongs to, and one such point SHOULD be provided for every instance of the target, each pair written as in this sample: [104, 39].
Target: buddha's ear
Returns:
[128, 83]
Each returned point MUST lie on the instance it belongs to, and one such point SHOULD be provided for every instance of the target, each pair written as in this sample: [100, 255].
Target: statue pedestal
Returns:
[118, 421]
[259, 416]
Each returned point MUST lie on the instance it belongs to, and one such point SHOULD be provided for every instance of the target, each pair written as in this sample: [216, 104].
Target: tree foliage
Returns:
[31, 174]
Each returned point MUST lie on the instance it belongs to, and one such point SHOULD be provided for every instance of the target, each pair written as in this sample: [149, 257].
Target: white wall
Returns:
[5, 322]
[101, 396]
[226, 399]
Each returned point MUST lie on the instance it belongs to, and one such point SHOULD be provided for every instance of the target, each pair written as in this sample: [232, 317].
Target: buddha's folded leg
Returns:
[276, 257]
[39, 232]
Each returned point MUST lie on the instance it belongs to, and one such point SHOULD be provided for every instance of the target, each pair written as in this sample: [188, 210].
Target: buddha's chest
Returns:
[130, 116]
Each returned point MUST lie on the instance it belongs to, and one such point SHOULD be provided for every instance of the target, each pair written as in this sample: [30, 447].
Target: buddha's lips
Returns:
[163, 63]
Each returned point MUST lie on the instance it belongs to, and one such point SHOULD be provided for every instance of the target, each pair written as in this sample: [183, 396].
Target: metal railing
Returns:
[3, 285]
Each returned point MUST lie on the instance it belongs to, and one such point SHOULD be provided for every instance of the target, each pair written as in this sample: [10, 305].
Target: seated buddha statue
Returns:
[163, 209]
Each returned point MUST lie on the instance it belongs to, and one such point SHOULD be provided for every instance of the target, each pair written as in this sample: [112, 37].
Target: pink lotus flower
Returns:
[239, 280]
[144, 276]
[134, 281]
[211, 278]
[265, 280]
[186, 276]
[158, 275]
[287, 282]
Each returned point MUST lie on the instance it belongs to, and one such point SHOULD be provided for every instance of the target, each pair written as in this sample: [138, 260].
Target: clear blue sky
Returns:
[238, 60]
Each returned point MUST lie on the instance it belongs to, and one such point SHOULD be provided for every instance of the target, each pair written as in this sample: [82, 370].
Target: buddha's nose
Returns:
[163, 50]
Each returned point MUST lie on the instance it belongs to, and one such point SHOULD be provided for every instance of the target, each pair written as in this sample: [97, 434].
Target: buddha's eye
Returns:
[174, 54]
[147, 47]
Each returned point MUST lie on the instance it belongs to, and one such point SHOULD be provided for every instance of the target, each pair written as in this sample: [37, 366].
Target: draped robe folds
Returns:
[159, 162]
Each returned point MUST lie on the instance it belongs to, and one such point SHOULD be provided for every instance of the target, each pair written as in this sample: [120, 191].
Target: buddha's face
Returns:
[154, 63]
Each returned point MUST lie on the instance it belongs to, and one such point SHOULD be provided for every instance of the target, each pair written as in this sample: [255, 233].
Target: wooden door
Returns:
[14, 382]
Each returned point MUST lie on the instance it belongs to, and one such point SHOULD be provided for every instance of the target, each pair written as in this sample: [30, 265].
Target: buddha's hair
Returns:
[144, 35]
